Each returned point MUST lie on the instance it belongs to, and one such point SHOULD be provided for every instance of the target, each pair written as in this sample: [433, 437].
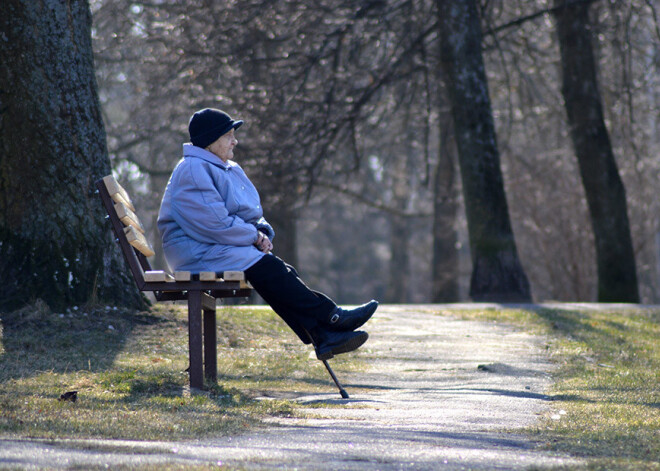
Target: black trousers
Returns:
[280, 286]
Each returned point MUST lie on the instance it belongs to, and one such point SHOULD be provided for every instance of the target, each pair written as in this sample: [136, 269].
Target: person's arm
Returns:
[264, 227]
[202, 213]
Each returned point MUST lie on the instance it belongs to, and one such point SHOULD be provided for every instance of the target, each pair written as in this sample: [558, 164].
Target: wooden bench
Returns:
[201, 291]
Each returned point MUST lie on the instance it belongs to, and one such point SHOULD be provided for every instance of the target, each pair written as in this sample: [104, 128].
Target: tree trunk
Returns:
[497, 274]
[397, 286]
[283, 219]
[54, 243]
[444, 284]
[606, 197]
[158, 184]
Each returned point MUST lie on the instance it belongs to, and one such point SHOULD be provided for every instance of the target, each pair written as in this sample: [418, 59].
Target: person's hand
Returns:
[263, 243]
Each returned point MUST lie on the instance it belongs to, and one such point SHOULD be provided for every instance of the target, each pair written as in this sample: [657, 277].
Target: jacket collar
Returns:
[190, 150]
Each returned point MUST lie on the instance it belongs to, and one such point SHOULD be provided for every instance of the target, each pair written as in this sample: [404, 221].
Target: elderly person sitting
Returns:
[211, 220]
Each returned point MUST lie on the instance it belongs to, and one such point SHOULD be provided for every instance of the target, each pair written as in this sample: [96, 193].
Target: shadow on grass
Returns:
[35, 340]
[45, 354]
[611, 359]
[579, 326]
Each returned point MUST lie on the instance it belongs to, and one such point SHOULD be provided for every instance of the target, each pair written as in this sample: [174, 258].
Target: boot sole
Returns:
[351, 344]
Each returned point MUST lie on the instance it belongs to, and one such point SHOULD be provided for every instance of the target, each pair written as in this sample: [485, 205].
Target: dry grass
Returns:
[129, 371]
[606, 397]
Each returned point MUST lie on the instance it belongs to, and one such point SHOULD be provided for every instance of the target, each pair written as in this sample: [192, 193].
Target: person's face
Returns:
[224, 146]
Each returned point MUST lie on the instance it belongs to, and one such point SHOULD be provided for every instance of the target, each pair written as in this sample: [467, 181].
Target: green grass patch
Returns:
[606, 396]
[129, 371]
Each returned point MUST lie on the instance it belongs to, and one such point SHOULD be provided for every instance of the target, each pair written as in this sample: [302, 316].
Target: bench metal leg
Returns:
[195, 339]
[210, 339]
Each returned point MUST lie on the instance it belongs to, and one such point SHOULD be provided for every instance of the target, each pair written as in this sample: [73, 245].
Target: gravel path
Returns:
[441, 393]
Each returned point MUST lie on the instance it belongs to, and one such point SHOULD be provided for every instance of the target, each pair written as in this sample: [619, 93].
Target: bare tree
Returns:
[617, 275]
[497, 273]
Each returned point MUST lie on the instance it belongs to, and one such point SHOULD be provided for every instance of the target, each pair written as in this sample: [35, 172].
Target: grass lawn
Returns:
[129, 372]
[606, 396]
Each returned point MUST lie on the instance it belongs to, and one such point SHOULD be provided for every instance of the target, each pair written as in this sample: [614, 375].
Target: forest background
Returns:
[349, 135]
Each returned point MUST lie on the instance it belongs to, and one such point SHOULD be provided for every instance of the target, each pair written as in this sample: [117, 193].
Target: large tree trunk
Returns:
[497, 274]
[606, 197]
[444, 284]
[54, 244]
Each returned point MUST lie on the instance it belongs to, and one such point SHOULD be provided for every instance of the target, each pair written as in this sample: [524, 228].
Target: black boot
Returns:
[342, 320]
[329, 344]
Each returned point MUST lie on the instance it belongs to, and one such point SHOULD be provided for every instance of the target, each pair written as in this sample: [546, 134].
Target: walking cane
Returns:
[342, 391]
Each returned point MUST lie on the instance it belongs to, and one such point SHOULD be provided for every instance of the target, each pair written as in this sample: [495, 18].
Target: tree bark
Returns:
[54, 243]
[606, 197]
[497, 274]
[284, 219]
[444, 284]
[398, 280]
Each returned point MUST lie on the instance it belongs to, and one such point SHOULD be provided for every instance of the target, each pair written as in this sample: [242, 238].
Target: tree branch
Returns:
[533, 16]
[370, 203]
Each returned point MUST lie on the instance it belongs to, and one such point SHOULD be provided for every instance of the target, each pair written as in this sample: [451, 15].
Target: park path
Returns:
[440, 393]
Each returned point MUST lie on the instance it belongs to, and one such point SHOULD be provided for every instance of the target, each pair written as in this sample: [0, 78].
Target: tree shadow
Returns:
[508, 370]
[34, 340]
[577, 325]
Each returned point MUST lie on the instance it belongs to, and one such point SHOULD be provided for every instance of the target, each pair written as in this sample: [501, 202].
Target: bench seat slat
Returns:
[226, 276]
[233, 276]
[158, 275]
[207, 276]
[182, 276]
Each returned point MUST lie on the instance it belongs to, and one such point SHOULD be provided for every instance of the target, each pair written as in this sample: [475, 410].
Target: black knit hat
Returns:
[207, 125]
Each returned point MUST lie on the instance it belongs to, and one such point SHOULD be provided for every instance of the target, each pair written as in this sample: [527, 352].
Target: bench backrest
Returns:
[127, 227]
